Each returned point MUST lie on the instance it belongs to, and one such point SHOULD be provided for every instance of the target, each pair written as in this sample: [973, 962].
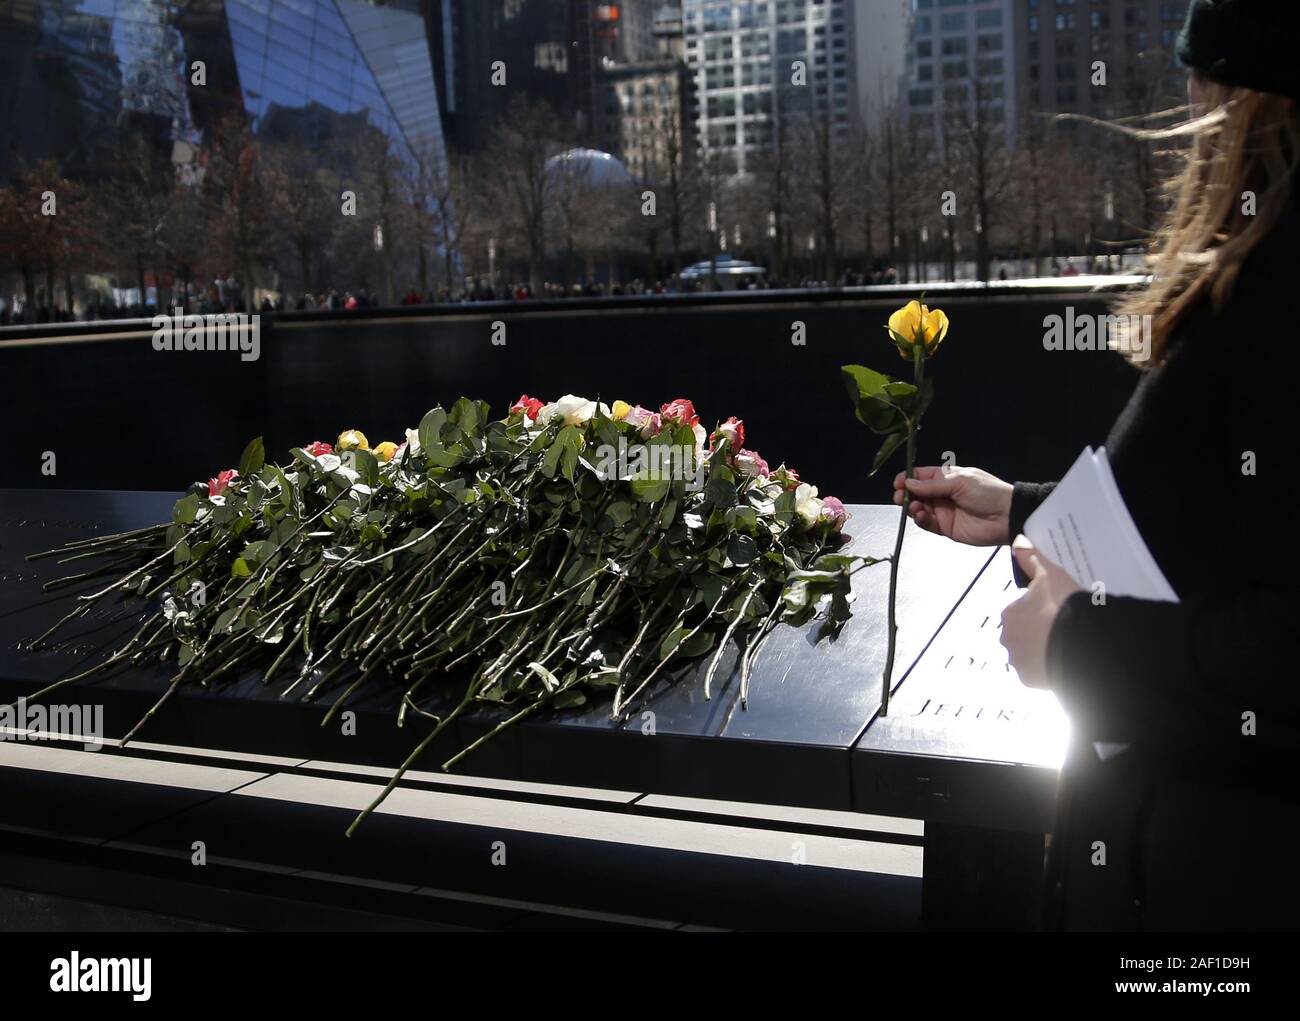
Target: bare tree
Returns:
[304, 201]
[977, 129]
[826, 162]
[237, 206]
[136, 198]
[527, 135]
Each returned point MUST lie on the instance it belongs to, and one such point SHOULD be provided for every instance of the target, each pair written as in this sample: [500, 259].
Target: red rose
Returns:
[218, 485]
[680, 411]
[530, 406]
[318, 449]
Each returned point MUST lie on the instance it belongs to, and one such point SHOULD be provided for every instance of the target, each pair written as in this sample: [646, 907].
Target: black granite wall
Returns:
[118, 414]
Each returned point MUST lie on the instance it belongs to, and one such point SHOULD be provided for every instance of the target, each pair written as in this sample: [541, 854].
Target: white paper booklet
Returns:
[1085, 527]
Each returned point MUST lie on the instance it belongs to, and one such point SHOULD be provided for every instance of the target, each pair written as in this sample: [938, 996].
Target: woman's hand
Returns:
[964, 504]
[1027, 622]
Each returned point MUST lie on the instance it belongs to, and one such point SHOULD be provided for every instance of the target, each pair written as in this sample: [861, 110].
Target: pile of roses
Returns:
[484, 563]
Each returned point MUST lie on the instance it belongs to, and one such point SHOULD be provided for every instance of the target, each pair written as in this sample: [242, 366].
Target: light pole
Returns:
[771, 245]
[713, 244]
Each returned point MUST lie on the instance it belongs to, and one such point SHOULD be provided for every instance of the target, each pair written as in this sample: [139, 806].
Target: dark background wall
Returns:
[118, 414]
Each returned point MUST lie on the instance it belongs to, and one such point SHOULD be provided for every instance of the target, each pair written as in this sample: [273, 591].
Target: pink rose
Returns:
[645, 420]
[318, 449]
[219, 485]
[833, 513]
[680, 411]
[751, 463]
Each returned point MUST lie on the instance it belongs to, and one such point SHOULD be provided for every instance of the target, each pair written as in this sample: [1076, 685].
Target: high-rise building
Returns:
[880, 33]
[1104, 58]
[759, 61]
[476, 42]
[76, 74]
[642, 111]
[670, 44]
[606, 37]
[1021, 58]
[961, 67]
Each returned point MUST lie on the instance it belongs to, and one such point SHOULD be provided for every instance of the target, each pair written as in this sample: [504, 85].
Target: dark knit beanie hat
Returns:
[1244, 42]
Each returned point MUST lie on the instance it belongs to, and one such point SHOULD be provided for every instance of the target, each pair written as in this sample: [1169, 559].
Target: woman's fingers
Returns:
[924, 472]
[935, 487]
[924, 517]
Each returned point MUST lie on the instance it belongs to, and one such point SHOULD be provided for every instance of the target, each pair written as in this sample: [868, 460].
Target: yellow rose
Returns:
[620, 410]
[915, 323]
[352, 439]
[386, 450]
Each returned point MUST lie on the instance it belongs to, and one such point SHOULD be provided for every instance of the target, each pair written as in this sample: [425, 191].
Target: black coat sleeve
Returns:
[1140, 670]
[1025, 498]
[1186, 674]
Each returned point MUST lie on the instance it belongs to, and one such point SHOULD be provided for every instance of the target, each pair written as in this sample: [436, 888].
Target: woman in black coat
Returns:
[1178, 807]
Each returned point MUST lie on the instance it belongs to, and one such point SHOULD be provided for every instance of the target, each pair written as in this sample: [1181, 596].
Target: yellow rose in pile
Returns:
[353, 439]
[386, 450]
[915, 324]
[620, 410]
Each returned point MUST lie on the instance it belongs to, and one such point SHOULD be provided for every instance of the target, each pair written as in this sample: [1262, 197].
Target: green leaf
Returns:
[784, 507]
[253, 457]
[431, 429]
[255, 552]
[720, 493]
[671, 641]
[619, 512]
[240, 569]
[568, 699]
[569, 461]
[880, 401]
[742, 550]
[863, 382]
[712, 585]
[183, 513]
[465, 413]
[890, 443]
[367, 466]
[647, 489]
[698, 644]
[742, 519]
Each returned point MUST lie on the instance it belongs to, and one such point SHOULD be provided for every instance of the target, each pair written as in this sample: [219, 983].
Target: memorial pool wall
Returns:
[118, 414]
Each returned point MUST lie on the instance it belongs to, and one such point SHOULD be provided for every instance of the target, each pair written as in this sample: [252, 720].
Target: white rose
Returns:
[807, 507]
[573, 410]
[413, 440]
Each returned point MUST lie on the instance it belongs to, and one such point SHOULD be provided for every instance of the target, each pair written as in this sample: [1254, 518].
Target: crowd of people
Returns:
[227, 295]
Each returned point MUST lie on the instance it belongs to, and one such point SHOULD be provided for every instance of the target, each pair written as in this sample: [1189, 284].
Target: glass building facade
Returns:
[76, 74]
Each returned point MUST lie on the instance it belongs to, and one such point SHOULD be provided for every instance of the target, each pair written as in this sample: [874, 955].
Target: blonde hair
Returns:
[1246, 141]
